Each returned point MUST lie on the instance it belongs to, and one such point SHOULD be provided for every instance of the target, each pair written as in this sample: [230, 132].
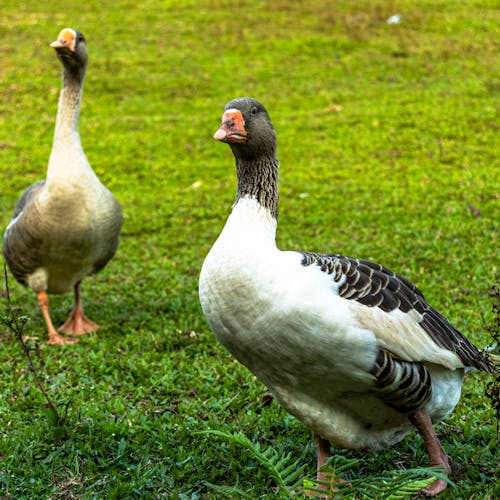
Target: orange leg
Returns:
[54, 337]
[77, 323]
[437, 456]
[323, 452]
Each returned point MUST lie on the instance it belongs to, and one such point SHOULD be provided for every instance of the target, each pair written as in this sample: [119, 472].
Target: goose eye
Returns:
[253, 111]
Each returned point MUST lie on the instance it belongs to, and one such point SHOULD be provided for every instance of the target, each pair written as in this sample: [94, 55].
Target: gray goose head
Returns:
[247, 128]
[71, 50]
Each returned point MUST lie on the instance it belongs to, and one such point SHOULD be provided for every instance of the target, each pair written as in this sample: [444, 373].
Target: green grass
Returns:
[388, 139]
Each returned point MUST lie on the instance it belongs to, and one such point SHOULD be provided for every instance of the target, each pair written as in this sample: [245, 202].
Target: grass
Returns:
[388, 139]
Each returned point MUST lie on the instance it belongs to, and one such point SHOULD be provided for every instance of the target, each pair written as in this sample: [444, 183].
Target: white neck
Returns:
[251, 222]
[68, 162]
[68, 109]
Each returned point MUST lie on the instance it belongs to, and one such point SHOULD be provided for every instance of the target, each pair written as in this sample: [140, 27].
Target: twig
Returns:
[492, 390]
[16, 325]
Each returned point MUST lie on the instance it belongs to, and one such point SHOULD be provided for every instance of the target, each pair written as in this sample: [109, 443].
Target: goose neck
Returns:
[68, 163]
[258, 178]
[68, 110]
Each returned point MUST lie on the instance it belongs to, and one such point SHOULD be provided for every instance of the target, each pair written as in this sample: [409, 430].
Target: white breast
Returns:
[288, 325]
[77, 227]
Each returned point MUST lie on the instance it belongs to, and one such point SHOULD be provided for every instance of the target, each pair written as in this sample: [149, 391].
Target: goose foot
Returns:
[436, 487]
[78, 324]
[437, 456]
[54, 337]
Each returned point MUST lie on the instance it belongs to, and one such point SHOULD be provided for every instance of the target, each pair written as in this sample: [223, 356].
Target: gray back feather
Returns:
[22, 242]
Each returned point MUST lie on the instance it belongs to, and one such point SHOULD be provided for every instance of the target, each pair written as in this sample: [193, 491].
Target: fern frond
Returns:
[282, 469]
[291, 473]
[391, 485]
[230, 491]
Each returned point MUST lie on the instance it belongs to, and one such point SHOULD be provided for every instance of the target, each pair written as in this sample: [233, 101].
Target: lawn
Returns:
[388, 141]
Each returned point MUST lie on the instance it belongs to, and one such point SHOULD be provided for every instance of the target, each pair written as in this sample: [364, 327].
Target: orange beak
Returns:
[65, 39]
[232, 128]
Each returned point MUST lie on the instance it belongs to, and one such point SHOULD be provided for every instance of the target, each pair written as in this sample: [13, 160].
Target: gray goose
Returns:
[67, 226]
[350, 348]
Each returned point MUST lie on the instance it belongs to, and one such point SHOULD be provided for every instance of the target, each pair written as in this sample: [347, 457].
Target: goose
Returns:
[348, 347]
[68, 225]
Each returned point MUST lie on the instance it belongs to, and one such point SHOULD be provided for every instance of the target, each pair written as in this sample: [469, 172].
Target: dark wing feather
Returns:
[373, 285]
[405, 386]
[117, 224]
[26, 197]
[21, 242]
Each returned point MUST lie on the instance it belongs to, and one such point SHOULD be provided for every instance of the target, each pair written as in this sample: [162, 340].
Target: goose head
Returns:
[247, 128]
[71, 49]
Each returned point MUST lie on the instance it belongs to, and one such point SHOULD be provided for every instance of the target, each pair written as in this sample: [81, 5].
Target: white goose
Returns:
[350, 348]
[68, 226]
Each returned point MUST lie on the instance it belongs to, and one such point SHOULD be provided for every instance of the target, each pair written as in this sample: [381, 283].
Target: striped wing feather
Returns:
[384, 291]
